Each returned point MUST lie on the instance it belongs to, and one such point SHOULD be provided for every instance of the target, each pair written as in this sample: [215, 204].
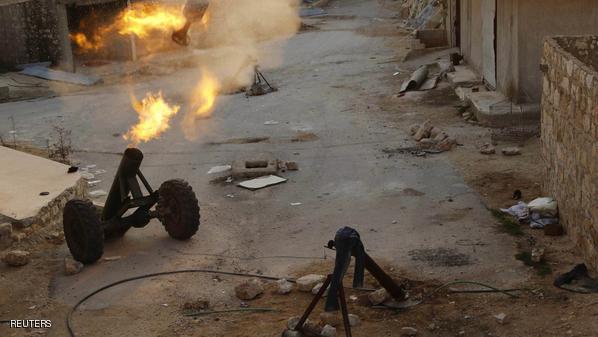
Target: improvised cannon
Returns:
[85, 228]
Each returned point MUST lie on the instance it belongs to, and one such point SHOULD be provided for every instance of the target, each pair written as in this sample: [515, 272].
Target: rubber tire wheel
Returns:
[83, 231]
[178, 209]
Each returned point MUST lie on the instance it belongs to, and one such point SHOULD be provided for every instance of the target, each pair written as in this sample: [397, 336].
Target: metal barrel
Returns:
[128, 168]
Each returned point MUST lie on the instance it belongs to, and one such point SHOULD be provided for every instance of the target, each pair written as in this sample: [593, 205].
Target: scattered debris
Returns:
[72, 267]
[262, 182]
[272, 122]
[409, 331]
[538, 254]
[249, 289]
[93, 183]
[332, 318]
[284, 287]
[577, 280]
[5, 234]
[16, 258]
[87, 175]
[519, 211]
[379, 296]
[292, 322]
[220, 169]
[429, 137]
[487, 149]
[317, 287]
[61, 76]
[501, 317]
[291, 166]
[420, 80]
[308, 282]
[354, 320]
[511, 151]
[98, 193]
[197, 305]
[296, 204]
[112, 258]
[328, 331]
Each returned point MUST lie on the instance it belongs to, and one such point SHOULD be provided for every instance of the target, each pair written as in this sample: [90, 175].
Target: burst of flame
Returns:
[85, 43]
[202, 103]
[154, 118]
[204, 96]
[141, 19]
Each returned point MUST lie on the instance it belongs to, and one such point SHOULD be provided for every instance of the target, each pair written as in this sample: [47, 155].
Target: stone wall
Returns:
[28, 32]
[570, 138]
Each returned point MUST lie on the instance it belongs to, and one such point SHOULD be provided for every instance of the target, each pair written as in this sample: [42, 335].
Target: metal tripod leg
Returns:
[313, 303]
[316, 299]
[344, 311]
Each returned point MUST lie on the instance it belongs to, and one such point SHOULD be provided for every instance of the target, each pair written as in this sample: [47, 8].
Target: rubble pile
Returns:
[429, 137]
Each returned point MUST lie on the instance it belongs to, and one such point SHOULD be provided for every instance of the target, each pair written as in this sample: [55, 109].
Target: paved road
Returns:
[326, 82]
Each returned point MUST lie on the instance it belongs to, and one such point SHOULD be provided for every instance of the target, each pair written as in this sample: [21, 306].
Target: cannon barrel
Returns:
[127, 171]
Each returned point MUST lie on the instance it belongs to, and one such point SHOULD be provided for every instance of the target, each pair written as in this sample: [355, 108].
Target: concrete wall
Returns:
[28, 32]
[539, 19]
[522, 25]
[471, 33]
[570, 137]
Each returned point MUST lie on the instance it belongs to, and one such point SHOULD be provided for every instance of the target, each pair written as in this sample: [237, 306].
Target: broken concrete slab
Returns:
[23, 176]
[249, 289]
[219, 169]
[463, 76]
[61, 76]
[493, 109]
[258, 183]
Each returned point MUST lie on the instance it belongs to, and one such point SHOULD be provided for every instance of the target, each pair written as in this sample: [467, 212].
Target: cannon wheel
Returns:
[178, 209]
[83, 231]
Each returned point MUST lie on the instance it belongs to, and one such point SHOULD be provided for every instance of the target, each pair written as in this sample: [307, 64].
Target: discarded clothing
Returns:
[519, 211]
[577, 280]
[347, 243]
[537, 221]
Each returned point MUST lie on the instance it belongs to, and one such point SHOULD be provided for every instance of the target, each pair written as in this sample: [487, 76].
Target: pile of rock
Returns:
[429, 137]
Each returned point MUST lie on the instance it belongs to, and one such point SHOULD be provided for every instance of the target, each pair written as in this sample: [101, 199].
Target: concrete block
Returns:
[257, 166]
[464, 76]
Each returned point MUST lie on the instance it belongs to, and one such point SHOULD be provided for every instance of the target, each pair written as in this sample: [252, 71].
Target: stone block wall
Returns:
[570, 136]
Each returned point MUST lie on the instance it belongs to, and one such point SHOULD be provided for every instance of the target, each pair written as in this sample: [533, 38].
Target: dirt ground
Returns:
[539, 309]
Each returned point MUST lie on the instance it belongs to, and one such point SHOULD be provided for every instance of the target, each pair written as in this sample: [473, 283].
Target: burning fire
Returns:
[141, 19]
[86, 44]
[205, 95]
[154, 118]
[202, 103]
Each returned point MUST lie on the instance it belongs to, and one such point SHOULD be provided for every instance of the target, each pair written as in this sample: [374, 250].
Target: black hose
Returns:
[81, 301]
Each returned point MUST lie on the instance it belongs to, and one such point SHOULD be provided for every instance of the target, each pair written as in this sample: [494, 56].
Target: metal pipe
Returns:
[128, 168]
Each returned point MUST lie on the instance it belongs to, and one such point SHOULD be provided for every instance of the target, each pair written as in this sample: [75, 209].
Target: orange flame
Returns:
[154, 118]
[85, 43]
[141, 19]
[202, 103]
